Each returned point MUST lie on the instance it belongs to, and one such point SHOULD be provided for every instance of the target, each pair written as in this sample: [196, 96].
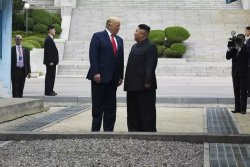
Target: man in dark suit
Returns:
[51, 59]
[247, 42]
[239, 53]
[140, 83]
[106, 57]
[20, 67]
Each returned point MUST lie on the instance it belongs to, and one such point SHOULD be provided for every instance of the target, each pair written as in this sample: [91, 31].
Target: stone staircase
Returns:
[209, 24]
[43, 4]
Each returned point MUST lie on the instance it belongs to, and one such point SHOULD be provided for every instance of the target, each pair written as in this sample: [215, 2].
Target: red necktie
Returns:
[113, 44]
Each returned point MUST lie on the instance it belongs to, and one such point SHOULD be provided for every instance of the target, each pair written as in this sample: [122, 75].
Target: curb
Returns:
[182, 137]
[169, 100]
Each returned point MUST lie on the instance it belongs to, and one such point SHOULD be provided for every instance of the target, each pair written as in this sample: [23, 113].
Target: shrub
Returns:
[30, 23]
[175, 51]
[57, 28]
[27, 45]
[160, 49]
[34, 43]
[55, 18]
[40, 28]
[37, 39]
[176, 34]
[157, 36]
[17, 5]
[41, 17]
[18, 22]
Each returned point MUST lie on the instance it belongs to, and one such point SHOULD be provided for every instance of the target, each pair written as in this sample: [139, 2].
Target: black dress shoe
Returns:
[234, 111]
[243, 112]
[54, 92]
[51, 94]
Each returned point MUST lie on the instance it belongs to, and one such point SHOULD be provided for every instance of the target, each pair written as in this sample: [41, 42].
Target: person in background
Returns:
[51, 59]
[247, 42]
[140, 83]
[20, 67]
[239, 53]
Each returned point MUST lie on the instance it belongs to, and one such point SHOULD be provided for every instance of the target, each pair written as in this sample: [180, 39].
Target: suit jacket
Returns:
[141, 67]
[50, 52]
[26, 59]
[248, 45]
[102, 58]
[240, 62]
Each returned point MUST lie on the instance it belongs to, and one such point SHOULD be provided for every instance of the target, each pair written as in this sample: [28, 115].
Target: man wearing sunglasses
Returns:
[20, 67]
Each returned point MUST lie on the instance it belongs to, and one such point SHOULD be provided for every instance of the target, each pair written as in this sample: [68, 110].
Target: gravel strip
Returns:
[101, 152]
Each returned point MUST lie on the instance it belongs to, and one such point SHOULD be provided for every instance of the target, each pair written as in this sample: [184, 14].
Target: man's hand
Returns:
[28, 76]
[120, 82]
[51, 64]
[97, 78]
[147, 86]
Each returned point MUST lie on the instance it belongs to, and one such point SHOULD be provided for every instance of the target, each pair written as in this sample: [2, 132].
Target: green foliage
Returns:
[57, 28]
[18, 22]
[17, 5]
[28, 45]
[34, 43]
[41, 17]
[40, 28]
[160, 49]
[157, 36]
[30, 23]
[175, 51]
[55, 18]
[176, 34]
[37, 39]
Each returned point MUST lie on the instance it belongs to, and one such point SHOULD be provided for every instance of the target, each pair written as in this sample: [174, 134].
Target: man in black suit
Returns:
[106, 73]
[247, 42]
[51, 59]
[20, 67]
[140, 83]
[239, 53]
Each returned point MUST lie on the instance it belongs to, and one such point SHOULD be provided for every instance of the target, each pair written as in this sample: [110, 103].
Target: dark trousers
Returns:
[248, 81]
[50, 78]
[141, 110]
[240, 91]
[18, 81]
[103, 105]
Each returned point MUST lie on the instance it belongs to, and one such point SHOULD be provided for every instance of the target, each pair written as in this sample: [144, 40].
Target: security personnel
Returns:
[239, 53]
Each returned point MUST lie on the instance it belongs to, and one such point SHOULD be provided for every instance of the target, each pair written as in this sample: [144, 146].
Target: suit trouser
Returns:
[50, 78]
[103, 105]
[240, 91]
[248, 81]
[18, 81]
[141, 110]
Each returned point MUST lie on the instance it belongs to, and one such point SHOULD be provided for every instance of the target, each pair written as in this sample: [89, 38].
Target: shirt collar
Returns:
[109, 33]
[51, 36]
[20, 46]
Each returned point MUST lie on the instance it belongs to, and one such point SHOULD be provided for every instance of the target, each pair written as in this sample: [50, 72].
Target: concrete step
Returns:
[167, 67]
[165, 4]
[43, 4]
[13, 108]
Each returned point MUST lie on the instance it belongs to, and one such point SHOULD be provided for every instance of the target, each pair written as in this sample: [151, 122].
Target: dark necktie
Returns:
[113, 44]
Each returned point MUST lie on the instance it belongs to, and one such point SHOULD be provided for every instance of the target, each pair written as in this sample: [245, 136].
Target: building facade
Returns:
[5, 46]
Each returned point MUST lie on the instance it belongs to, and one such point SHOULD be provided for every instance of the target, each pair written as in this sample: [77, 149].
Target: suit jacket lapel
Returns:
[108, 39]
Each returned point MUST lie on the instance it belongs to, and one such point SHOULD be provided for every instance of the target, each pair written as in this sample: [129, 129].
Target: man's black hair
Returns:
[144, 27]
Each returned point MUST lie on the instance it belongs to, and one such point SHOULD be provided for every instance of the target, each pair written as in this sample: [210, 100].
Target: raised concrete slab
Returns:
[172, 120]
[243, 121]
[13, 108]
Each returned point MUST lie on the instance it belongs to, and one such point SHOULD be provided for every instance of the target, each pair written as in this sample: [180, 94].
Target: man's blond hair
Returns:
[112, 20]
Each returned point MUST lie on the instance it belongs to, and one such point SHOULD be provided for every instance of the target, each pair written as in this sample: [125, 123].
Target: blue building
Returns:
[5, 46]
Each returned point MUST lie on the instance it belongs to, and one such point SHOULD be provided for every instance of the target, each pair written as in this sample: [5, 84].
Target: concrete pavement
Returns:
[209, 87]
